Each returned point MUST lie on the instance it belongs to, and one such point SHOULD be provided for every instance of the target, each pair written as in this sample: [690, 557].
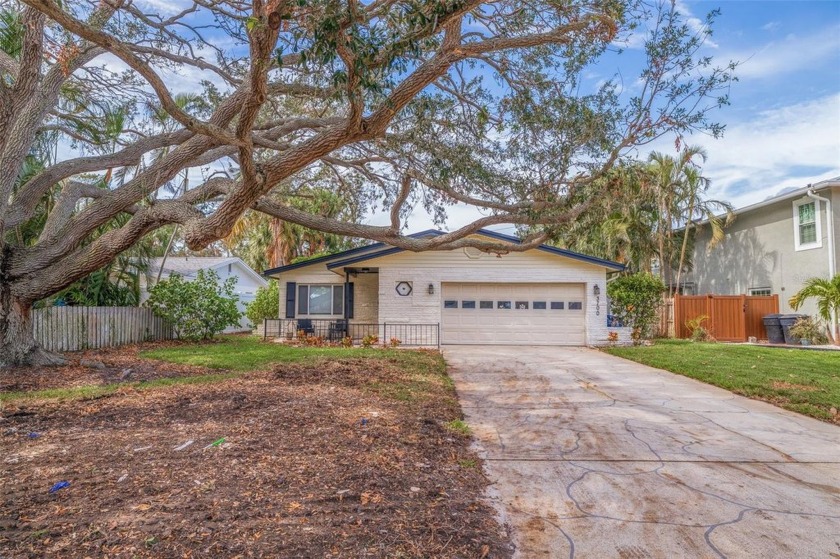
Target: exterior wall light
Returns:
[596, 289]
[431, 289]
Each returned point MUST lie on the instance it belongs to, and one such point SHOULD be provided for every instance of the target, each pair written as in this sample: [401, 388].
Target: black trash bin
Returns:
[773, 327]
[788, 320]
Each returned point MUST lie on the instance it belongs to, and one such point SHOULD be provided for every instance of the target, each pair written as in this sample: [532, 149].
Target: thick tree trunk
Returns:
[17, 342]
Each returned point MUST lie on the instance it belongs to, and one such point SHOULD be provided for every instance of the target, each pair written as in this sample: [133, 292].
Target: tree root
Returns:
[36, 357]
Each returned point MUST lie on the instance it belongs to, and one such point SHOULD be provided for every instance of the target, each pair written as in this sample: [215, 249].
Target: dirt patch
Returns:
[309, 461]
[341, 372]
[96, 368]
[782, 385]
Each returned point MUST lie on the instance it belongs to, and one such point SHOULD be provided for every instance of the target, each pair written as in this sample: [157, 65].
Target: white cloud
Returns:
[420, 220]
[793, 53]
[694, 23]
[771, 26]
[790, 146]
[636, 40]
[778, 148]
[163, 7]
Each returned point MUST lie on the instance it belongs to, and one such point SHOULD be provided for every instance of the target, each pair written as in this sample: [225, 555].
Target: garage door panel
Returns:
[544, 326]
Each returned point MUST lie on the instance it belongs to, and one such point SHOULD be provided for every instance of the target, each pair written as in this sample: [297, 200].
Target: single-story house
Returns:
[247, 280]
[542, 296]
[772, 247]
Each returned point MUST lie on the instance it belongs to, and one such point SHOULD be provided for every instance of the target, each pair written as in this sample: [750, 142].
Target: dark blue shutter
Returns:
[291, 289]
[349, 298]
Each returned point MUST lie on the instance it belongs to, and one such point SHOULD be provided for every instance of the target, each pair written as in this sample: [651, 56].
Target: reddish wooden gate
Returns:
[732, 318]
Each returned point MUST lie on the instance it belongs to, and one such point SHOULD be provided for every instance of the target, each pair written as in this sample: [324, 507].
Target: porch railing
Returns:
[417, 335]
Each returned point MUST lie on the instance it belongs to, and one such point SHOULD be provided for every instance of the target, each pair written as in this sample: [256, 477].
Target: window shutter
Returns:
[349, 296]
[291, 288]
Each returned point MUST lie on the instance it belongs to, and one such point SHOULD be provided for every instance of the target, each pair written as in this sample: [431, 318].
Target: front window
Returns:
[761, 291]
[806, 221]
[321, 299]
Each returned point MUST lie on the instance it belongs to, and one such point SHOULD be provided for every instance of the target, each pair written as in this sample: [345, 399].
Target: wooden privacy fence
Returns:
[78, 328]
[732, 318]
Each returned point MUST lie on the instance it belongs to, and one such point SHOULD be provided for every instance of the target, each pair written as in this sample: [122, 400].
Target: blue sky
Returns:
[783, 124]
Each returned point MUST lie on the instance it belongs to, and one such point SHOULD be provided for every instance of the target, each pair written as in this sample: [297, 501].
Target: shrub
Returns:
[395, 342]
[635, 301]
[313, 340]
[347, 341]
[370, 340]
[698, 331]
[198, 309]
[807, 329]
[827, 294]
[266, 304]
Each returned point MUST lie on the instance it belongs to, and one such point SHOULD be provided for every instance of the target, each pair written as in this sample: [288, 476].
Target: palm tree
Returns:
[679, 190]
[267, 242]
[827, 294]
[716, 213]
[620, 225]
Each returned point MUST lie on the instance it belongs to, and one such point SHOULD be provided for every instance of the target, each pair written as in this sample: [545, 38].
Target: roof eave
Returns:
[792, 195]
[273, 272]
[499, 236]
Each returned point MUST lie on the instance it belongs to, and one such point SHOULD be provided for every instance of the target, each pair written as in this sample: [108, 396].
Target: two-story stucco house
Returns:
[772, 247]
[542, 296]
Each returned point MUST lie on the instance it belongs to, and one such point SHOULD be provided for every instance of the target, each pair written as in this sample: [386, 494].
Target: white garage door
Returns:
[495, 313]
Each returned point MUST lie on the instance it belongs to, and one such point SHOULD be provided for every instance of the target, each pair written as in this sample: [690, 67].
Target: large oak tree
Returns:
[391, 103]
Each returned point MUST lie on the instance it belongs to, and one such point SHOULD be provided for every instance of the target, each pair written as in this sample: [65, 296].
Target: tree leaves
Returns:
[197, 309]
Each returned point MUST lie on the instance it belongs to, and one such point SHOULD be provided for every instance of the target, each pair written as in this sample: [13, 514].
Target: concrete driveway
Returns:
[594, 456]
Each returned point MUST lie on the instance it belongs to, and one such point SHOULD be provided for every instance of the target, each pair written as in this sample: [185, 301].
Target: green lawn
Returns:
[804, 381]
[251, 353]
[425, 371]
[234, 356]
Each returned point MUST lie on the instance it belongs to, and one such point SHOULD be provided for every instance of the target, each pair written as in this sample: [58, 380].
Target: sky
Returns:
[783, 121]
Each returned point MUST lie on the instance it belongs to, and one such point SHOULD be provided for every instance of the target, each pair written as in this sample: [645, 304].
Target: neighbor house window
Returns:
[467, 304]
[761, 291]
[806, 224]
[557, 305]
[321, 299]
[575, 305]
[485, 305]
[503, 304]
[539, 305]
[450, 304]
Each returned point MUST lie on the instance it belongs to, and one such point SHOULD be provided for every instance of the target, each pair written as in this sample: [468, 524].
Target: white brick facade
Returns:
[454, 266]
[376, 299]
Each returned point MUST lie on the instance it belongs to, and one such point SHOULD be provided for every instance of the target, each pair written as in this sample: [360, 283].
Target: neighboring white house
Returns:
[543, 296]
[248, 281]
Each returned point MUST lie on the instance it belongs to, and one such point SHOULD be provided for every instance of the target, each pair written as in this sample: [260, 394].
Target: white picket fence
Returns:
[79, 328]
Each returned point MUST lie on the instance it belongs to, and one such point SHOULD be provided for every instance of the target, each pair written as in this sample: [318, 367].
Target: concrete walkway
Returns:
[595, 456]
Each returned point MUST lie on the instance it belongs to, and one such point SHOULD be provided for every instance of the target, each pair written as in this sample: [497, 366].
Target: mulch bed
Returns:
[316, 462]
[96, 367]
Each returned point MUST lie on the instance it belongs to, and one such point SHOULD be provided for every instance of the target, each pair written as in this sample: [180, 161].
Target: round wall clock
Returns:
[404, 289]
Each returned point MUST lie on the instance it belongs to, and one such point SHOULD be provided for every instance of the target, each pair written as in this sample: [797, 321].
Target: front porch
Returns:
[336, 330]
